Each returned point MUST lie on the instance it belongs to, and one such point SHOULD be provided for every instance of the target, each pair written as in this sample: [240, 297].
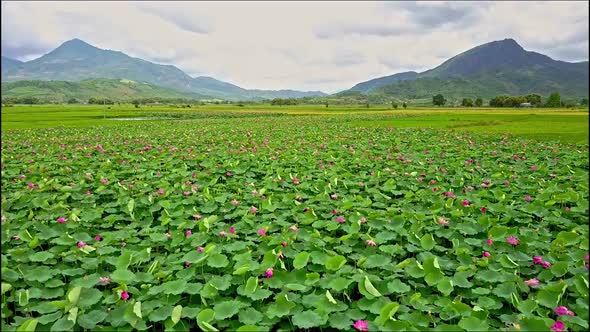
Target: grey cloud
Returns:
[348, 58]
[182, 18]
[24, 50]
[334, 31]
[433, 15]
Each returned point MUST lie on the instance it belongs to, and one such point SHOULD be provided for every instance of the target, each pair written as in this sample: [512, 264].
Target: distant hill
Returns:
[116, 90]
[77, 60]
[498, 67]
[8, 63]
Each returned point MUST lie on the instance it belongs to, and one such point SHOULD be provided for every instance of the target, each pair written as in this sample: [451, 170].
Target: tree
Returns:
[534, 99]
[478, 102]
[404, 105]
[438, 100]
[72, 101]
[554, 100]
[467, 102]
[584, 102]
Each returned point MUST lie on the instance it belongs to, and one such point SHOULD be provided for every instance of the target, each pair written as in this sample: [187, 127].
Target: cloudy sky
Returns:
[328, 46]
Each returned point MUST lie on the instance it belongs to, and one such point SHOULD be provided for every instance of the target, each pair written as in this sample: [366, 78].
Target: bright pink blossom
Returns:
[557, 327]
[334, 196]
[31, 185]
[363, 220]
[361, 325]
[532, 282]
[81, 244]
[586, 257]
[562, 311]
[340, 219]
[262, 232]
[294, 228]
[483, 210]
[512, 240]
[489, 242]
[486, 254]
[534, 168]
[124, 296]
[234, 202]
[465, 203]
[371, 243]
[187, 264]
[538, 260]
[104, 181]
[442, 221]
[528, 198]
[268, 273]
[222, 233]
[16, 237]
[232, 230]
[61, 220]
[546, 265]
[284, 244]
[161, 191]
[253, 210]
[200, 249]
[97, 238]
[188, 233]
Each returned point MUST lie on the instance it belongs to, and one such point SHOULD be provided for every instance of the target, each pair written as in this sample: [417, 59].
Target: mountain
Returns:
[498, 67]
[114, 89]
[9, 63]
[382, 81]
[77, 60]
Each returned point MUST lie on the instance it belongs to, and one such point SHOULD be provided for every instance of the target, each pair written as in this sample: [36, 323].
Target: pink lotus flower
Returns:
[3, 219]
[295, 181]
[538, 260]
[234, 202]
[197, 216]
[483, 210]
[187, 264]
[489, 242]
[486, 254]
[124, 296]
[334, 196]
[168, 235]
[363, 220]
[97, 238]
[546, 265]
[200, 249]
[104, 181]
[104, 280]
[528, 198]
[294, 228]
[361, 325]
[557, 327]
[442, 221]
[31, 185]
[465, 203]
[88, 192]
[280, 255]
[262, 232]
[187, 193]
[334, 211]
[507, 182]
[232, 230]
[228, 174]
[534, 168]
[268, 273]
[561, 311]
[512, 240]
[587, 257]
[532, 282]
[340, 219]
[81, 244]
[567, 209]
[161, 191]
[123, 244]
[188, 233]
[222, 234]
[284, 244]
[16, 237]
[253, 210]
[371, 243]
[61, 220]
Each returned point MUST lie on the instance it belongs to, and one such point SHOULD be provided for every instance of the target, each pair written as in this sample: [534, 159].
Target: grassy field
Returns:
[567, 126]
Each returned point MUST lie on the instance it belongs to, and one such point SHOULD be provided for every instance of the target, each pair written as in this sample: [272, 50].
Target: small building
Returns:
[525, 105]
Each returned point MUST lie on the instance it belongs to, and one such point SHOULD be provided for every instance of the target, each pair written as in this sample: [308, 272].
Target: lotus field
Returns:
[284, 222]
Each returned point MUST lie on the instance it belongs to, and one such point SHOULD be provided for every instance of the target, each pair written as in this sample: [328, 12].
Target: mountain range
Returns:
[488, 70]
[76, 60]
[498, 67]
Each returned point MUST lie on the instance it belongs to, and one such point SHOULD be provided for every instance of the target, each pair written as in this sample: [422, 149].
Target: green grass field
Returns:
[566, 126]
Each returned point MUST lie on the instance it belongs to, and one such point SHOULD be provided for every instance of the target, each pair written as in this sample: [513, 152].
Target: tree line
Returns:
[534, 100]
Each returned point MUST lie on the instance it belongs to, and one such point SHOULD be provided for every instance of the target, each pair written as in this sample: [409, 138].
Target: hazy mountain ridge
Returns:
[498, 67]
[77, 60]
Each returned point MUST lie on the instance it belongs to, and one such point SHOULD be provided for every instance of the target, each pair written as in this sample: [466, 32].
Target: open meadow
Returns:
[261, 218]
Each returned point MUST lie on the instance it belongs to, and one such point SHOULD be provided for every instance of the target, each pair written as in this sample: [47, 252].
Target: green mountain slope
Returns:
[77, 60]
[499, 67]
[118, 90]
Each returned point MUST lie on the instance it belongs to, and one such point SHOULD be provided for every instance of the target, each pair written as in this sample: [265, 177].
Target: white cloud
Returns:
[326, 46]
